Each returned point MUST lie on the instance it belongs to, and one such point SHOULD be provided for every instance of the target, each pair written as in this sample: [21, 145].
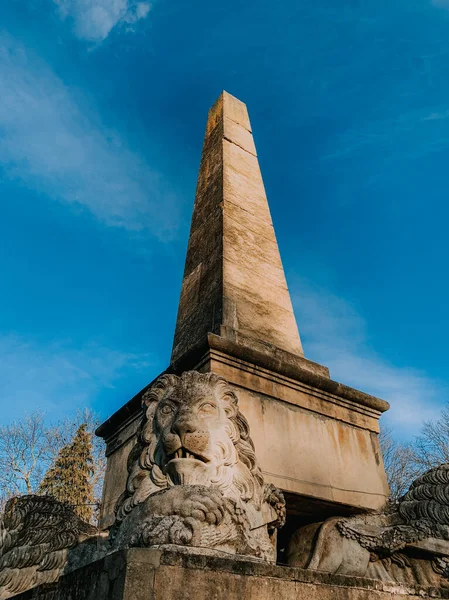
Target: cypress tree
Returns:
[69, 478]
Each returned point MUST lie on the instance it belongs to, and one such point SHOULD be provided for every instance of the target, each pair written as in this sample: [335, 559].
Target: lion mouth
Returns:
[183, 453]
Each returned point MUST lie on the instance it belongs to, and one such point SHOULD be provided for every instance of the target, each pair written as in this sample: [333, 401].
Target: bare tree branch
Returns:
[399, 463]
[29, 446]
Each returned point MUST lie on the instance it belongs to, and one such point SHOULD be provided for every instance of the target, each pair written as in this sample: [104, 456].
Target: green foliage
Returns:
[69, 479]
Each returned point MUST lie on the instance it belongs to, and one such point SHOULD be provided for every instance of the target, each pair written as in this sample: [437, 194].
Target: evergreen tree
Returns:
[69, 478]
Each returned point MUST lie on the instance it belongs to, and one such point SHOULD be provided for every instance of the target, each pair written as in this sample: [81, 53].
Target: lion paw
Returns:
[197, 502]
[208, 508]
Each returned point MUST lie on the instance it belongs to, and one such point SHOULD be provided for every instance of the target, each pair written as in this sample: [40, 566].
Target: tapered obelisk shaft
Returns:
[234, 282]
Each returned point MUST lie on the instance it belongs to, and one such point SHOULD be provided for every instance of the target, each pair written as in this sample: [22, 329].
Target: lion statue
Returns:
[37, 534]
[407, 542]
[193, 476]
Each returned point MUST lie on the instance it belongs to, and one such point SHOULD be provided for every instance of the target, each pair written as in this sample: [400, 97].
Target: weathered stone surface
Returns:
[232, 239]
[105, 579]
[295, 426]
[169, 573]
[235, 133]
[116, 475]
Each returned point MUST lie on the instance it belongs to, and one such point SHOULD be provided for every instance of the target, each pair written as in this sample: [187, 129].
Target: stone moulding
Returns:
[297, 371]
[279, 362]
[256, 378]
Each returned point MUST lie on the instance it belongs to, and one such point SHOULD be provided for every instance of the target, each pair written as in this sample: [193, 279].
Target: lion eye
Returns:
[167, 409]
[208, 406]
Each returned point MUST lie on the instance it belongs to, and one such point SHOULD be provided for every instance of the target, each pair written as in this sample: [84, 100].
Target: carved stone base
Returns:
[176, 573]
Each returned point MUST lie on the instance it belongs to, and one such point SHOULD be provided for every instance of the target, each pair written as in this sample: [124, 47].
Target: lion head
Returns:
[192, 433]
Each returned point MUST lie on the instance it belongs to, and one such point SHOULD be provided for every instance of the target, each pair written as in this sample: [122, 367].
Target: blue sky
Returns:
[102, 112]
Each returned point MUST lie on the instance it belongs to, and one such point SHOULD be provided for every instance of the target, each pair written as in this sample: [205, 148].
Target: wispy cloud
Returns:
[334, 334]
[93, 20]
[54, 142]
[391, 140]
[438, 116]
[57, 377]
[441, 3]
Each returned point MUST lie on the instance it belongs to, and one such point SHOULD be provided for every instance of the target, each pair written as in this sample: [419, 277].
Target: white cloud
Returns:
[57, 145]
[139, 11]
[334, 334]
[441, 3]
[57, 377]
[94, 19]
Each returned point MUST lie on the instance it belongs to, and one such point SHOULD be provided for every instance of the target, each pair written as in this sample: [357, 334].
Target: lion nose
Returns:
[183, 426]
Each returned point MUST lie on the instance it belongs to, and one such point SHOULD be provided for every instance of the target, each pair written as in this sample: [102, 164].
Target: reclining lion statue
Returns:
[193, 474]
[408, 542]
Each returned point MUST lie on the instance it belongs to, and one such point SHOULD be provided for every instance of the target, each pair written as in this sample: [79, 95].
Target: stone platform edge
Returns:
[173, 572]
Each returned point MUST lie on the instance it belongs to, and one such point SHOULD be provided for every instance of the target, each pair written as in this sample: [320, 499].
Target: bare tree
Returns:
[431, 447]
[29, 446]
[399, 463]
[404, 462]
[26, 450]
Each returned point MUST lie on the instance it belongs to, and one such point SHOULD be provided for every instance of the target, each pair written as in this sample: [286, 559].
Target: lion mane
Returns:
[145, 476]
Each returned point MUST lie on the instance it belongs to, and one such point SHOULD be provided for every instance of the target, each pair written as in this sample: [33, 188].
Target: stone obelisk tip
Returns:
[234, 283]
[230, 107]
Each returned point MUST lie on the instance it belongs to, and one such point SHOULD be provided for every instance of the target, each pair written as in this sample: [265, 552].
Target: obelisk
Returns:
[234, 282]
[315, 438]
